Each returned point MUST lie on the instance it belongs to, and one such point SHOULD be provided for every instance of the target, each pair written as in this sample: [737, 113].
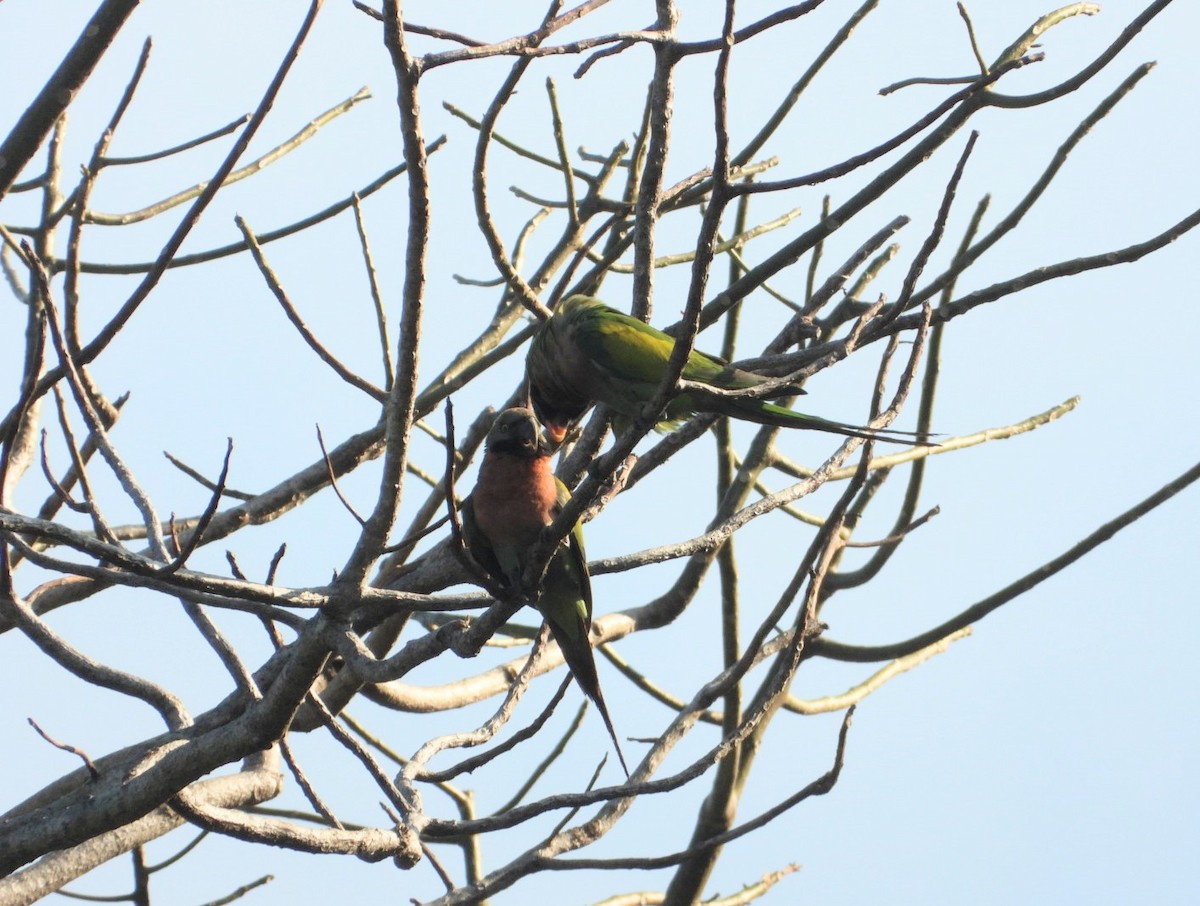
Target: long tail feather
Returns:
[582, 664]
[598, 699]
[781, 417]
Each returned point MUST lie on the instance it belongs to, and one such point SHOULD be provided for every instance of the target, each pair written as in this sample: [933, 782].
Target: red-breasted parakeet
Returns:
[590, 353]
[515, 497]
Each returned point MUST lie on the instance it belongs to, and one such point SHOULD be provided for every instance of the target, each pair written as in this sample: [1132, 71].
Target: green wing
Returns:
[630, 357]
[571, 562]
[632, 350]
[623, 346]
[478, 545]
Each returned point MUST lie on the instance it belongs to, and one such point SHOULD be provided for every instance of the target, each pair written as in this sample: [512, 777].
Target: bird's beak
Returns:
[532, 437]
[557, 434]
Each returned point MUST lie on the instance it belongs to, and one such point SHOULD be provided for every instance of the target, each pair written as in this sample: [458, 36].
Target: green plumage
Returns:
[588, 353]
[515, 497]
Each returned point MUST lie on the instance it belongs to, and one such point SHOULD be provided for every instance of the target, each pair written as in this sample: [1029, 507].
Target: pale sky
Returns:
[1049, 758]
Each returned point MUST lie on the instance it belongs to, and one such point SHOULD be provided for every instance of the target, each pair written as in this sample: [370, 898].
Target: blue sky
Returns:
[1048, 758]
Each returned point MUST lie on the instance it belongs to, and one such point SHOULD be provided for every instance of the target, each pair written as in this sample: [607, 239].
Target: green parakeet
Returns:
[515, 497]
[588, 353]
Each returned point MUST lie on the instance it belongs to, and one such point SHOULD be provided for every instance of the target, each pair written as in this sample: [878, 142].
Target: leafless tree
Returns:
[387, 610]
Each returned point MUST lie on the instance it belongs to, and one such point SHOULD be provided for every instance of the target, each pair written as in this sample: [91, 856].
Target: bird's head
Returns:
[556, 423]
[516, 432]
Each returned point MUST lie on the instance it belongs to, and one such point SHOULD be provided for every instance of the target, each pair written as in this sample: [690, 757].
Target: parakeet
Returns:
[588, 353]
[515, 497]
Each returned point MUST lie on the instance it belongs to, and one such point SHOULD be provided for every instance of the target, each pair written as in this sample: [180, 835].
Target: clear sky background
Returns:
[1049, 758]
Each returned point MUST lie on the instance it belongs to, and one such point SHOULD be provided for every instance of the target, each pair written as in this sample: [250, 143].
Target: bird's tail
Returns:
[582, 664]
[781, 417]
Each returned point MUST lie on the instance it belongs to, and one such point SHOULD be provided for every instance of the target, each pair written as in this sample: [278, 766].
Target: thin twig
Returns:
[385, 344]
[248, 170]
[87, 762]
[310, 793]
[294, 316]
[110, 161]
[205, 482]
[194, 536]
[979, 58]
[333, 480]
[865, 653]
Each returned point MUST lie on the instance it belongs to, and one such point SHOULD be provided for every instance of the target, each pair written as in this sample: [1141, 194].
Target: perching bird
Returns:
[515, 497]
[588, 353]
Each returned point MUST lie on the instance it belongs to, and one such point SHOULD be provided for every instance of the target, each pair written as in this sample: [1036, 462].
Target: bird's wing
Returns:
[631, 350]
[624, 347]
[574, 557]
[477, 542]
